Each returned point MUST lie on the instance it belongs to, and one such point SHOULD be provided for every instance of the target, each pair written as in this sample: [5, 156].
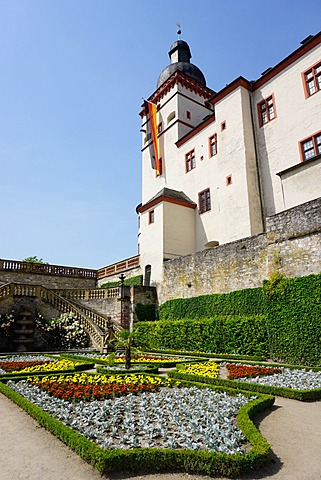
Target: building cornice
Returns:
[163, 198]
[238, 82]
[272, 72]
[300, 166]
[293, 57]
[182, 79]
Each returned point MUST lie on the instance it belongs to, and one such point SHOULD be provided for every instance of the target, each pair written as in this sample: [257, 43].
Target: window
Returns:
[190, 160]
[212, 142]
[311, 147]
[160, 127]
[229, 180]
[223, 126]
[188, 114]
[266, 110]
[312, 80]
[151, 216]
[204, 201]
[170, 117]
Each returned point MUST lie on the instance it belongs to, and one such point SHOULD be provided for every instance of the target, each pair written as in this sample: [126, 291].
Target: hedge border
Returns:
[78, 368]
[160, 364]
[161, 460]
[209, 355]
[104, 370]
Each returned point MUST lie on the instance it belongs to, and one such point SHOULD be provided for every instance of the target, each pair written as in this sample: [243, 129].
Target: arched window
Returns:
[148, 271]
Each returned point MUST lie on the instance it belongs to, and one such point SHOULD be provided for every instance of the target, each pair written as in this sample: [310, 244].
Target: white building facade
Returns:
[229, 158]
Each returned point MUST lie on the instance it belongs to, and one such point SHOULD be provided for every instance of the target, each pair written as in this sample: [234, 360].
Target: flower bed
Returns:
[169, 429]
[19, 362]
[88, 387]
[206, 370]
[301, 384]
[236, 370]
[34, 366]
[186, 418]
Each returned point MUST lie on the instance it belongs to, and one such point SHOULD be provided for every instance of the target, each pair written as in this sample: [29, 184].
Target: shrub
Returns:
[218, 334]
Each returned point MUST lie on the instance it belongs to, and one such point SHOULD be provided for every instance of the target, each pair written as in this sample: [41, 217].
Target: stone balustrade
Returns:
[46, 269]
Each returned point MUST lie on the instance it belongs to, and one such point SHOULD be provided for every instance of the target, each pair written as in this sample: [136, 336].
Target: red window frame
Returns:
[212, 145]
[204, 201]
[312, 80]
[310, 147]
[266, 110]
[190, 160]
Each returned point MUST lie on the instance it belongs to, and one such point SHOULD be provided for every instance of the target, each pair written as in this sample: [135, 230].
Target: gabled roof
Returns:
[167, 195]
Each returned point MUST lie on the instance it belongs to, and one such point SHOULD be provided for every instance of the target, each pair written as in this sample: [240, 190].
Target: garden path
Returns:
[28, 452]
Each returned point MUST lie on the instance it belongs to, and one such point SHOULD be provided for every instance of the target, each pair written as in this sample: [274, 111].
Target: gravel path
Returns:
[28, 452]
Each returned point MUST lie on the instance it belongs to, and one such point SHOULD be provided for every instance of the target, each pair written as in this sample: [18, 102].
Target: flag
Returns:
[151, 127]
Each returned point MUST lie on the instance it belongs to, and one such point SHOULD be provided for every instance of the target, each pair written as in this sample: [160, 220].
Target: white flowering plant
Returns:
[6, 323]
[64, 332]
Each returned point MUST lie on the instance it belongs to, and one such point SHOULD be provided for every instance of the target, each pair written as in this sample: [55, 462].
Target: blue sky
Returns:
[73, 74]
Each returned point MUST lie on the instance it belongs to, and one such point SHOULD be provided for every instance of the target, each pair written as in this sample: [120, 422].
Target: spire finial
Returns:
[179, 31]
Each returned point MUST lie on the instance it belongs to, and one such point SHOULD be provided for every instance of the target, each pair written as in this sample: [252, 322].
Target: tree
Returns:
[34, 259]
[124, 339]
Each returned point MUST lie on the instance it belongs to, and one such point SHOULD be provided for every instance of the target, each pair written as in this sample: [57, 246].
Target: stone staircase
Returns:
[100, 328]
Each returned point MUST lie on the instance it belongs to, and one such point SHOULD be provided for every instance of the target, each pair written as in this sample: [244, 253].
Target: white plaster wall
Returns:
[151, 242]
[297, 118]
[175, 100]
[179, 230]
[229, 218]
[300, 186]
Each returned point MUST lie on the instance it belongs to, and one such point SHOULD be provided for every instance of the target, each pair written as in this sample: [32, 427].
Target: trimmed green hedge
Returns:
[112, 371]
[250, 301]
[206, 354]
[219, 334]
[161, 460]
[138, 280]
[294, 320]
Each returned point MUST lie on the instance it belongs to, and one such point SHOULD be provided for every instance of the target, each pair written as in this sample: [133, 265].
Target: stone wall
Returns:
[123, 311]
[133, 272]
[48, 281]
[290, 245]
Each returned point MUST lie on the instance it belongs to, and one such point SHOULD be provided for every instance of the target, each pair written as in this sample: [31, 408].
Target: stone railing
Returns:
[11, 289]
[94, 294]
[45, 269]
[99, 328]
[119, 267]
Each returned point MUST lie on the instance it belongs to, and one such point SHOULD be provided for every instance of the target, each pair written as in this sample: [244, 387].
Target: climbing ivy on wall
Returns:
[250, 301]
[294, 320]
[281, 320]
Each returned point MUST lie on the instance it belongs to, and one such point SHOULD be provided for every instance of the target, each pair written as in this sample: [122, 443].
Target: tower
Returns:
[167, 213]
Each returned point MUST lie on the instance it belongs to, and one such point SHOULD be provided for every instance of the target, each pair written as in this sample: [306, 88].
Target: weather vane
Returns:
[179, 31]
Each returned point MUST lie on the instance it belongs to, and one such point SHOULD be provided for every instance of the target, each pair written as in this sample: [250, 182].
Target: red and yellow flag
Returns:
[150, 109]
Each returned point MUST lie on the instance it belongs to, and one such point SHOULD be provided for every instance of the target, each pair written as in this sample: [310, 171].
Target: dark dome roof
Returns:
[180, 56]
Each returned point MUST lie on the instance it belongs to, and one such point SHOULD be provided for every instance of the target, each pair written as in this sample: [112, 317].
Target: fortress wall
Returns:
[290, 245]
